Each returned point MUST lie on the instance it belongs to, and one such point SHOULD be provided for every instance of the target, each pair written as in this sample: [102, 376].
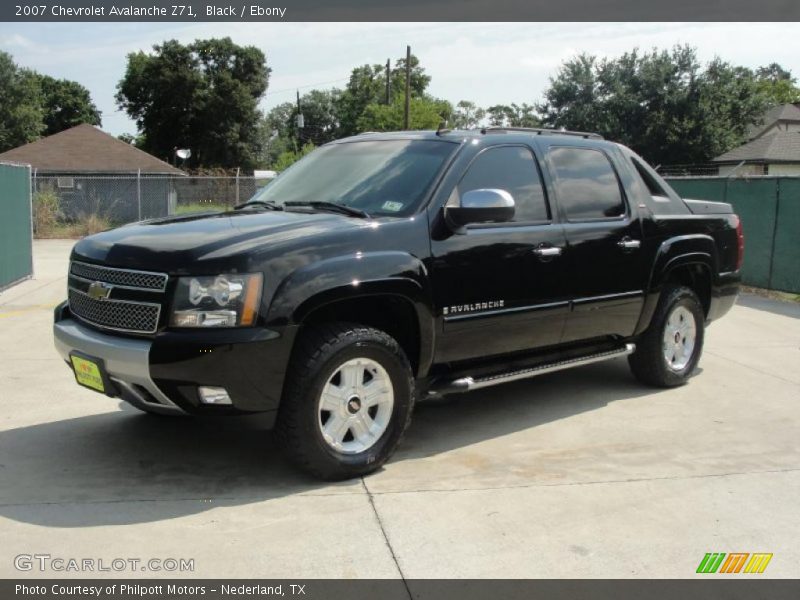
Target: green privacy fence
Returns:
[770, 211]
[16, 245]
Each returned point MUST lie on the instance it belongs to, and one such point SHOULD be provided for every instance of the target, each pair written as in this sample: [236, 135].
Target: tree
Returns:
[134, 140]
[777, 84]
[33, 105]
[279, 132]
[774, 72]
[424, 113]
[66, 104]
[663, 104]
[467, 115]
[288, 157]
[513, 115]
[320, 117]
[367, 86]
[203, 96]
[21, 112]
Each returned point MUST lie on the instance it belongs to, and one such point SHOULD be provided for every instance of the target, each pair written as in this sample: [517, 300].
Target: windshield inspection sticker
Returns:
[392, 206]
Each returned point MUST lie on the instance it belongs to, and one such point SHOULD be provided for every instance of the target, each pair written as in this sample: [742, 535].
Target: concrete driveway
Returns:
[583, 473]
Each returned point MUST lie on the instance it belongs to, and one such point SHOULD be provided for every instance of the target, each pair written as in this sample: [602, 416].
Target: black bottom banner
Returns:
[388, 589]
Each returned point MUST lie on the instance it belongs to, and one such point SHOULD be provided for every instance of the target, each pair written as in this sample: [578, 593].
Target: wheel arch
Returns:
[388, 291]
[689, 260]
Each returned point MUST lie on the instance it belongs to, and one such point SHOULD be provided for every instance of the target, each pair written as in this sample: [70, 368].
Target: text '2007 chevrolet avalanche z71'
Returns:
[384, 267]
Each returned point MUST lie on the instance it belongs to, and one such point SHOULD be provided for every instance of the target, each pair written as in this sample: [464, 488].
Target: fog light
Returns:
[214, 395]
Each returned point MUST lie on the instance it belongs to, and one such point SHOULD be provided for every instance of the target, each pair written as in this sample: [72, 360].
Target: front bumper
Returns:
[126, 361]
[161, 374]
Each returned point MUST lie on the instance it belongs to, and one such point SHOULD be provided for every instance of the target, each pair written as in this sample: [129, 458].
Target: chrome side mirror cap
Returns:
[481, 206]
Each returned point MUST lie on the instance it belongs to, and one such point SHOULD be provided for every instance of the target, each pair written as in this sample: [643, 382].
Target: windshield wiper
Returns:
[330, 206]
[268, 204]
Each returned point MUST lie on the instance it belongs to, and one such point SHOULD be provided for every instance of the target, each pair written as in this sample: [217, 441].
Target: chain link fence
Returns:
[115, 200]
[741, 169]
[693, 170]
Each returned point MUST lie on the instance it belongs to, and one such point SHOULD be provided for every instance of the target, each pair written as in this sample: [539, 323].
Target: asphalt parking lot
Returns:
[582, 473]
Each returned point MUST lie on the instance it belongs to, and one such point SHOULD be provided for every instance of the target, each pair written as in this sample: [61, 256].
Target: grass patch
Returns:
[85, 226]
[195, 207]
[48, 221]
[773, 294]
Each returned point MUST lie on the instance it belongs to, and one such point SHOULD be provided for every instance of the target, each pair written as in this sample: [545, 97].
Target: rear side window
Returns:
[513, 169]
[586, 184]
[653, 186]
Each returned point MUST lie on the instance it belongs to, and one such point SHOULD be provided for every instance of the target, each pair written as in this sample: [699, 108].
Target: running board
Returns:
[466, 384]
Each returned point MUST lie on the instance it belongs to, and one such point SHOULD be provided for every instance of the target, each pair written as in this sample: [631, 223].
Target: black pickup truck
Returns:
[383, 268]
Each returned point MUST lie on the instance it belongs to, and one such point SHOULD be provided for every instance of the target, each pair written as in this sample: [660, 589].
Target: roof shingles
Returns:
[781, 146]
[87, 149]
[782, 113]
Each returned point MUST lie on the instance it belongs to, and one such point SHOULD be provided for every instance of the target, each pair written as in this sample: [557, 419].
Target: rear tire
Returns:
[668, 352]
[347, 401]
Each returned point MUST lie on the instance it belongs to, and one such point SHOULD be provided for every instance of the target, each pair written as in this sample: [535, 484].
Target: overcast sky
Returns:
[488, 63]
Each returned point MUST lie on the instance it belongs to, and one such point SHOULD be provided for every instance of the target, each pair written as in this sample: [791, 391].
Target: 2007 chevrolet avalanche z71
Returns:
[384, 267]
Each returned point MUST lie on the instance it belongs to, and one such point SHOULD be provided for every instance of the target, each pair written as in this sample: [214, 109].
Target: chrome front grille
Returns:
[121, 315]
[144, 280]
[126, 305]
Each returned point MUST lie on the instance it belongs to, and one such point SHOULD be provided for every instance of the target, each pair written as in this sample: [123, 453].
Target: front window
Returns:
[389, 177]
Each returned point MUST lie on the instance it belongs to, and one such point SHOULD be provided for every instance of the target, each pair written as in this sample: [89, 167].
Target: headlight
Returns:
[221, 301]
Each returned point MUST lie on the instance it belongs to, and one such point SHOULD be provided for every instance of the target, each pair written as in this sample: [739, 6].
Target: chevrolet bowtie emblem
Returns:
[99, 290]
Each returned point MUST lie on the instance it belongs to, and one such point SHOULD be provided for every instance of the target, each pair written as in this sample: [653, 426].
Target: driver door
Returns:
[499, 287]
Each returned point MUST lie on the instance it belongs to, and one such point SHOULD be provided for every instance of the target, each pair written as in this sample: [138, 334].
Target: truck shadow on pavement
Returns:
[124, 467]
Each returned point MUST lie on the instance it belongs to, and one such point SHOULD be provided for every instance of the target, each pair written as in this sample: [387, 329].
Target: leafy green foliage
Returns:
[660, 103]
[21, 113]
[134, 140]
[777, 84]
[424, 113]
[287, 158]
[202, 96]
[466, 115]
[34, 105]
[361, 106]
[513, 115]
[66, 104]
[367, 86]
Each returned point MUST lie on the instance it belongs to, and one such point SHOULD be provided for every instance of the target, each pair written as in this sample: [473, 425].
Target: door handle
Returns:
[547, 251]
[629, 244]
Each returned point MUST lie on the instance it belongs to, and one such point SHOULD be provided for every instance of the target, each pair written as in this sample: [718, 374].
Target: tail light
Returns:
[739, 243]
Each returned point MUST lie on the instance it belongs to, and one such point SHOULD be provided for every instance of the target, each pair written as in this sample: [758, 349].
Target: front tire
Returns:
[668, 352]
[347, 401]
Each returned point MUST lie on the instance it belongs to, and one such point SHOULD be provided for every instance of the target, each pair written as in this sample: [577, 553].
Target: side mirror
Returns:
[481, 206]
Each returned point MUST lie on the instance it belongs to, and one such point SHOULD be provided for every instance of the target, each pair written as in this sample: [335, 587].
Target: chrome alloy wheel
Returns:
[355, 406]
[680, 334]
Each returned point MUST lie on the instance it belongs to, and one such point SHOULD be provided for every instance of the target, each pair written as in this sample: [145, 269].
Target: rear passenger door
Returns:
[603, 263]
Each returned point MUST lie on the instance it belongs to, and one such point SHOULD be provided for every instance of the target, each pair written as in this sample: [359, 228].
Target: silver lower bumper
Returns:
[126, 361]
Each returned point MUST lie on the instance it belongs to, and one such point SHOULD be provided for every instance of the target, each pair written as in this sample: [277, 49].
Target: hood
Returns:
[193, 242]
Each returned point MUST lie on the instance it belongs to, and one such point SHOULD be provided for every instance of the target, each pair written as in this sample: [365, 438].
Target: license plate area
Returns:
[90, 372]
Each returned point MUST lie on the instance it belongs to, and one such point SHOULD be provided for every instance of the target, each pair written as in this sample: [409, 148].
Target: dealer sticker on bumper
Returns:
[88, 373]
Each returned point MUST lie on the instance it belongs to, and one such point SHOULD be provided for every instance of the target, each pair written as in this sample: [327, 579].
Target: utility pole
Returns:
[299, 121]
[408, 88]
[388, 82]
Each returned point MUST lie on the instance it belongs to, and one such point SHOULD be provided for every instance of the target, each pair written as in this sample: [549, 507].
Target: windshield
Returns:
[378, 177]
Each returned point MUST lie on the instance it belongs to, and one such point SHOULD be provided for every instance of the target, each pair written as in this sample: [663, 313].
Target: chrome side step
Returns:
[466, 384]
